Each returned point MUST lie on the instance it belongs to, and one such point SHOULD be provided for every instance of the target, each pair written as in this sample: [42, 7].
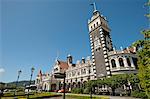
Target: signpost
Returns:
[61, 76]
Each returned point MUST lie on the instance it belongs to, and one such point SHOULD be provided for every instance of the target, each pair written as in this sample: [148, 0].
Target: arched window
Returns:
[121, 62]
[128, 61]
[91, 27]
[113, 63]
[97, 23]
[94, 25]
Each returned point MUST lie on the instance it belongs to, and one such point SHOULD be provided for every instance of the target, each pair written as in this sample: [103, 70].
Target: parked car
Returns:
[62, 90]
[55, 90]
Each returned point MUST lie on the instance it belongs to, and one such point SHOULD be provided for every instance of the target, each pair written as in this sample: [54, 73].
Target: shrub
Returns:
[139, 94]
[86, 91]
[77, 90]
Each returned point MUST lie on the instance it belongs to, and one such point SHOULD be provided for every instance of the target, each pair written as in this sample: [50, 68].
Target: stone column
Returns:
[125, 62]
[132, 64]
[117, 63]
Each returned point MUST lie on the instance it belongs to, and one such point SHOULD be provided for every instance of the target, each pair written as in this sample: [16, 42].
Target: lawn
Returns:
[32, 96]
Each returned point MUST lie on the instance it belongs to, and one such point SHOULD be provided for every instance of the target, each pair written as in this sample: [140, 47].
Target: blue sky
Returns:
[33, 31]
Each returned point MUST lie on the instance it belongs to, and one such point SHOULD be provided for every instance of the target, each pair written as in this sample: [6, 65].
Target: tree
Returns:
[115, 81]
[2, 87]
[144, 58]
[144, 64]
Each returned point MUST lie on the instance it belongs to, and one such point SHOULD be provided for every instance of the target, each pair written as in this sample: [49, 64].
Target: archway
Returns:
[53, 87]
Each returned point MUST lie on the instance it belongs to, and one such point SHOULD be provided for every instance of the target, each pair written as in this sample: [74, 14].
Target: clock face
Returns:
[97, 43]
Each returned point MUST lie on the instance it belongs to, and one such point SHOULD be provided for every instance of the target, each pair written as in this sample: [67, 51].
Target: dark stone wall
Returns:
[99, 56]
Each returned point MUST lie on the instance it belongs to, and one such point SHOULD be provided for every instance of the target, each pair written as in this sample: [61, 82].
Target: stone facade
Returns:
[105, 60]
[101, 44]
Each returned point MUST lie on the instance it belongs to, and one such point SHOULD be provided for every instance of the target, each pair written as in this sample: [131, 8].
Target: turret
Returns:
[69, 59]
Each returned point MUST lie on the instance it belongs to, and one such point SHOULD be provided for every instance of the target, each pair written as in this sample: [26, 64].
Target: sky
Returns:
[33, 33]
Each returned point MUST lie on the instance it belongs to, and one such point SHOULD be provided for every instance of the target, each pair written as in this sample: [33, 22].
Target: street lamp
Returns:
[19, 72]
[61, 75]
[32, 70]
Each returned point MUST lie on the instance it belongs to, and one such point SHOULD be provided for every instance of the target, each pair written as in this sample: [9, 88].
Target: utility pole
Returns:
[64, 85]
[32, 70]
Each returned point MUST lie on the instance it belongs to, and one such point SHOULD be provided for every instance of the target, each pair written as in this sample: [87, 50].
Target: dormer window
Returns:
[56, 69]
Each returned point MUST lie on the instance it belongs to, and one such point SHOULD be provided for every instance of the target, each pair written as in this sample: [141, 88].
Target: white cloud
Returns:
[2, 70]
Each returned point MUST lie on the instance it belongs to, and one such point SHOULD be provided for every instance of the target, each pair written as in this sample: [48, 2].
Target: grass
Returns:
[32, 96]
[49, 94]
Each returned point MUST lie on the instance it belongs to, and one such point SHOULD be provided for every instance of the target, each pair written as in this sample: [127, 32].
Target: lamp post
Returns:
[32, 70]
[19, 72]
[61, 75]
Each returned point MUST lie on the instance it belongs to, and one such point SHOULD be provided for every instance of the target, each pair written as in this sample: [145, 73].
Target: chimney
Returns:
[83, 60]
[128, 49]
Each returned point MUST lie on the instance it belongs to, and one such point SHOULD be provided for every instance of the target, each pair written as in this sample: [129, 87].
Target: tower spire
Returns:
[57, 56]
[94, 7]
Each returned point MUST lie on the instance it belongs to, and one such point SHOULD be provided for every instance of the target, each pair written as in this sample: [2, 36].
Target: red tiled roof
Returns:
[131, 50]
[63, 65]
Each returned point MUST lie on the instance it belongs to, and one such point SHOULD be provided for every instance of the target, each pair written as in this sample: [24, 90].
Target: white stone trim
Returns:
[104, 48]
[105, 52]
[100, 29]
[94, 70]
[106, 60]
[93, 56]
[105, 56]
[106, 64]
[108, 72]
[102, 35]
[94, 67]
[107, 68]
[103, 42]
[100, 32]
[103, 45]
[90, 38]
[102, 38]
[92, 53]
[93, 60]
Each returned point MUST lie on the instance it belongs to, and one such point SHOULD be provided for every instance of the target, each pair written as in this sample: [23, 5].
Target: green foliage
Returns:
[139, 94]
[148, 14]
[144, 58]
[33, 96]
[77, 90]
[2, 86]
[86, 91]
[144, 61]
[116, 80]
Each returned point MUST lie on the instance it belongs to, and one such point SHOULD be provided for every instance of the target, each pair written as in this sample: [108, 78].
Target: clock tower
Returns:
[101, 43]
